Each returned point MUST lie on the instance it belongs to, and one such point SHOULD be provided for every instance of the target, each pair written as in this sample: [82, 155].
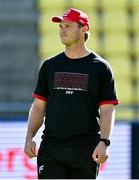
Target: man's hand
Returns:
[100, 154]
[30, 149]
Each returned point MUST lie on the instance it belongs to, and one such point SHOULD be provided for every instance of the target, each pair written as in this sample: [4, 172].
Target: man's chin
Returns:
[65, 43]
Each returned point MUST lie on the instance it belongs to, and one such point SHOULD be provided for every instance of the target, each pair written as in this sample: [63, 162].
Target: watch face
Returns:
[106, 141]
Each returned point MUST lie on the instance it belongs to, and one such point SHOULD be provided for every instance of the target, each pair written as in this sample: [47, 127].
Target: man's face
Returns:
[70, 32]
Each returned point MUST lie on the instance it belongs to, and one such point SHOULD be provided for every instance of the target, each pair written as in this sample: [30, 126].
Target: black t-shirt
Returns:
[74, 89]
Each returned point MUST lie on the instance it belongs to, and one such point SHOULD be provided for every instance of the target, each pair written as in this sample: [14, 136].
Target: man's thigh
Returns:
[52, 171]
[84, 172]
[82, 165]
[48, 167]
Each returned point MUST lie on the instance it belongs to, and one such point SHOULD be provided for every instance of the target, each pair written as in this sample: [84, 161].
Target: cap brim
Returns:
[61, 18]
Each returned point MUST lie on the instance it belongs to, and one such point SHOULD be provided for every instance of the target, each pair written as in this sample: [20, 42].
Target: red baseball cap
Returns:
[73, 15]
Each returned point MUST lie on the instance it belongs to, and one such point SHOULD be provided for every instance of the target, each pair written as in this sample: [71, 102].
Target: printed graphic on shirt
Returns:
[70, 81]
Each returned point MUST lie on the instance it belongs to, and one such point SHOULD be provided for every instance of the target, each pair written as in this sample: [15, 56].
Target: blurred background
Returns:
[28, 37]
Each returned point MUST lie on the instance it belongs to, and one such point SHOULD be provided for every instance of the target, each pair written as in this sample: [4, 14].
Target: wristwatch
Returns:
[106, 141]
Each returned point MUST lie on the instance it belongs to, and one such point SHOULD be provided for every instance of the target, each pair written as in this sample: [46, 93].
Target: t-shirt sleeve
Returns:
[107, 90]
[41, 90]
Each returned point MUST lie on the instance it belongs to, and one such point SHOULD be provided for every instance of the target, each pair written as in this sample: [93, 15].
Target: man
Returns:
[76, 95]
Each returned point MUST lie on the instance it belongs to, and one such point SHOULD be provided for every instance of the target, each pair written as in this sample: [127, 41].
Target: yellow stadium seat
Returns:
[138, 93]
[49, 46]
[125, 113]
[93, 20]
[92, 43]
[121, 69]
[45, 5]
[135, 5]
[118, 63]
[45, 23]
[114, 5]
[137, 45]
[85, 5]
[115, 20]
[124, 91]
[123, 75]
[136, 21]
[138, 69]
[116, 43]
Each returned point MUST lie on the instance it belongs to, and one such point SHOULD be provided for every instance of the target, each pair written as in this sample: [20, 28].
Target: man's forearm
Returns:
[35, 121]
[107, 119]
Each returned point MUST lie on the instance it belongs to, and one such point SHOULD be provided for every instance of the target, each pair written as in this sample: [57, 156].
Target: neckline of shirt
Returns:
[77, 59]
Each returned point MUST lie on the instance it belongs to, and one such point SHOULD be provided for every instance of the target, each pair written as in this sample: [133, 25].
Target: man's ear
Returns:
[84, 29]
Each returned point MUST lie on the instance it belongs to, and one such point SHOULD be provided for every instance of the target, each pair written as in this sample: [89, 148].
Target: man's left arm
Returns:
[107, 119]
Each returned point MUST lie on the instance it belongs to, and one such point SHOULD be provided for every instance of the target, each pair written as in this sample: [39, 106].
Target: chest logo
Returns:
[70, 81]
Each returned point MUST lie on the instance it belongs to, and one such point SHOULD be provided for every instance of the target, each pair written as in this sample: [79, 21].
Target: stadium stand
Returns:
[18, 51]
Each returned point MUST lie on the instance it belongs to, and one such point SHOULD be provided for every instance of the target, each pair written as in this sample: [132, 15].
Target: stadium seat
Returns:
[135, 5]
[87, 5]
[115, 20]
[93, 42]
[122, 73]
[116, 43]
[137, 46]
[15, 5]
[93, 21]
[124, 91]
[118, 63]
[138, 70]
[46, 26]
[49, 45]
[49, 5]
[136, 21]
[115, 5]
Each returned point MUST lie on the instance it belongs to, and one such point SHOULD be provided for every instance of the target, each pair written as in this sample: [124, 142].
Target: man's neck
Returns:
[77, 52]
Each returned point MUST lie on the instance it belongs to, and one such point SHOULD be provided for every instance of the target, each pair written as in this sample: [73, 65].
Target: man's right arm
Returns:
[35, 120]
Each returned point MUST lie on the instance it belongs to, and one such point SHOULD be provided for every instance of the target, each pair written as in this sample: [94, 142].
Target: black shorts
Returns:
[66, 161]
